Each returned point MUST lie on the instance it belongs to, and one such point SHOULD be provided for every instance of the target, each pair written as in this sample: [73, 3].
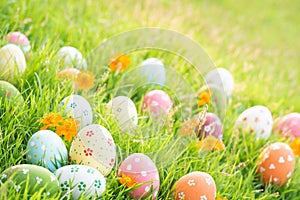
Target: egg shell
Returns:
[37, 178]
[257, 119]
[289, 125]
[20, 40]
[276, 164]
[8, 92]
[125, 112]
[158, 103]
[12, 62]
[212, 126]
[195, 185]
[71, 57]
[47, 149]
[94, 146]
[81, 180]
[78, 108]
[222, 78]
[143, 170]
[154, 71]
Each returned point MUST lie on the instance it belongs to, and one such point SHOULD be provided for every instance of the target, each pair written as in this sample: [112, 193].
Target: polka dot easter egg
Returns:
[276, 164]
[20, 40]
[71, 57]
[195, 185]
[212, 126]
[8, 92]
[125, 112]
[154, 71]
[78, 108]
[257, 119]
[139, 169]
[94, 146]
[12, 62]
[289, 125]
[158, 103]
[81, 181]
[31, 178]
[47, 149]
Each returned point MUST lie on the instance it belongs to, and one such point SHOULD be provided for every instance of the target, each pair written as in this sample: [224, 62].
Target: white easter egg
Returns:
[154, 71]
[12, 62]
[78, 108]
[257, 119]
[222, 78]
[71, 57]
[81, 180]
[125, 112]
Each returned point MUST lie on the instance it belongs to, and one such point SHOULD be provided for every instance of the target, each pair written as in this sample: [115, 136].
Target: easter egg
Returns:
[222, 78]
[71, 57]
[125, 112]
[140, 169]
[257, 119]
[12, 62]
[8, 92]
[289, 125]
[212, 126]
[34, 177]
[81, 181]
[158, 103]
[94, 146]
[69, 73]
[195, 185]
[154, 71]
[276, 164]
[78, 108]
[47, 149]
[20, 40]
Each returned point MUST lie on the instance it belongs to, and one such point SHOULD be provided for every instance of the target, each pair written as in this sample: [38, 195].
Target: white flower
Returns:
[38, 180]
[203, 197]
[181, 195]
[191, 182]
[208, 181]
[25, 171]
[207, 129]
[52, 178]
[3, 176]
[17, 187]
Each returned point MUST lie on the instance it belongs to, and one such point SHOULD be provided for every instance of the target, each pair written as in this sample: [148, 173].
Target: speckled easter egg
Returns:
[78, 108]
[94, 146]
[12, 62]
[20, 40]
[212, 126]
[222, 78]
[47, 149]
[154, 71]
[257, 119]
[125, 112]
[8, 92]
[71, 57]
[195, 185]
[81, 181]
[34, 177]
[276, 164]
[158, 103]
[289, 125]
[141, 170]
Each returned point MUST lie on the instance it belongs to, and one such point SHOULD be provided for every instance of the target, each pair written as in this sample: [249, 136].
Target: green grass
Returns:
[257, 41]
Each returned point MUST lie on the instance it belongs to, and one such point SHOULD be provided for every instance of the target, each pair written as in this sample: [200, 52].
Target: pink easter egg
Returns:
[289, 125]
[141, 169]
[157, 102]
[212, 126]
[20, 40]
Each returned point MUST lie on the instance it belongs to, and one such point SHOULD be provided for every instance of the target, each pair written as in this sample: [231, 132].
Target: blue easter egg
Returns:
[154, 70]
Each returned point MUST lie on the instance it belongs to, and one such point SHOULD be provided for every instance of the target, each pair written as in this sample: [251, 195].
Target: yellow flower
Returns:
[295, 145]
[210, 143]
[205, 97]
[68, 129]
[218, 198]
[127, 180]
[51, 120]
[119, 62]
[85, 80]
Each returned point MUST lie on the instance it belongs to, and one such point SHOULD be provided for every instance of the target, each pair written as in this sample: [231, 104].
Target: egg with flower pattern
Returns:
[20, 40]
[47, 149]
[257, 119]
[212, 127]
[276, 164]
[289, 125]
[195, 185]
[94, 146]
[81, 181]
[32, 178]
[139, 169]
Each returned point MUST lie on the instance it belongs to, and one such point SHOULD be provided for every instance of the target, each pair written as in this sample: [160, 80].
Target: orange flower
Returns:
[204, 97]
[218, 198]
[210, 143]
[127, 180]
[119, 62]
[295, 145]
[68, 129]
[85, 80]
[51, 120]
